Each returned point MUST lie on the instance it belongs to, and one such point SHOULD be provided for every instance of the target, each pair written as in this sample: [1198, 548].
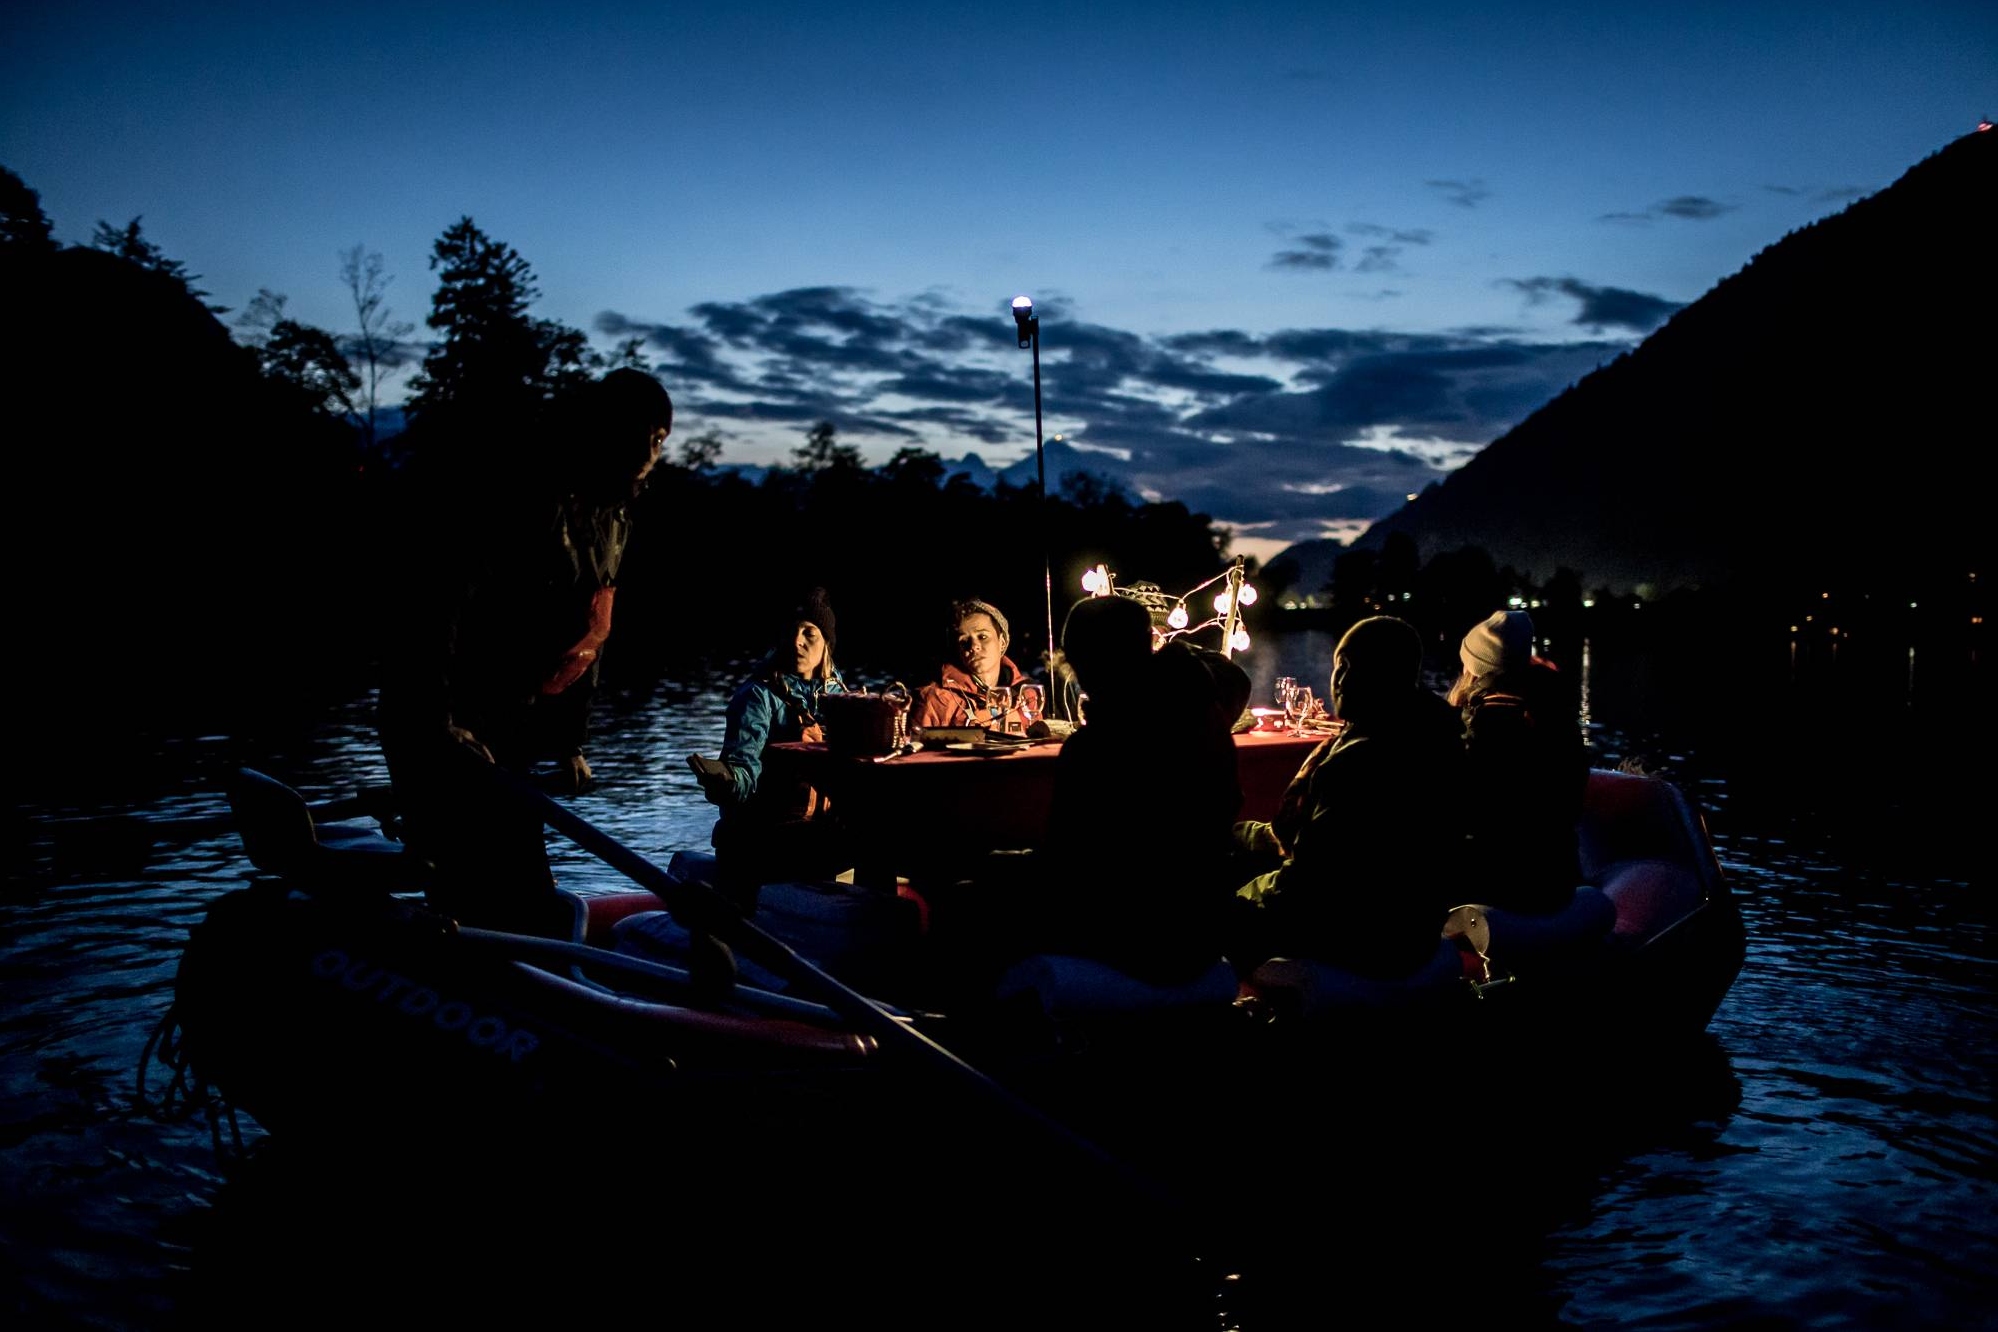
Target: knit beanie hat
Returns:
[1501, 644]
[973, 606]
[816, 610]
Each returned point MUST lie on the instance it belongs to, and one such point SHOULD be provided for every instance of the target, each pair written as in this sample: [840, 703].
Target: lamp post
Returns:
[1029, 325]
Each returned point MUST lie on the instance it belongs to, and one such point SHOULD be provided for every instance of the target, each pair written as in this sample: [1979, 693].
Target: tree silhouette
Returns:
[378, 341]
[820, 451]
[701, 452]
[307, 361]
[310, 360]
[493, 363]
[24, 227]
[130, 244]
[629, 355]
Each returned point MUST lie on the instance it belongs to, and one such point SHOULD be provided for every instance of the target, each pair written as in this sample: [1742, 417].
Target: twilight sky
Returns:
[1293, 261]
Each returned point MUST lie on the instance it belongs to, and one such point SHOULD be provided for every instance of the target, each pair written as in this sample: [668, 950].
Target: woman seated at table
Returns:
[1526, 768]
[962, 694]
[774, 829]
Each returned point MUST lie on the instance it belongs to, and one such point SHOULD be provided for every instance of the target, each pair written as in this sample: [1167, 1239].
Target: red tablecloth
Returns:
[922, 812]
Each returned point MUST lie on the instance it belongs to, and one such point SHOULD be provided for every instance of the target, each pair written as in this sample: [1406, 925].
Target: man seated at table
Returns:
[1134, 867]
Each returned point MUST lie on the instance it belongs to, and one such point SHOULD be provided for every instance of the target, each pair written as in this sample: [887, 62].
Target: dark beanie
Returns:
[819, 612]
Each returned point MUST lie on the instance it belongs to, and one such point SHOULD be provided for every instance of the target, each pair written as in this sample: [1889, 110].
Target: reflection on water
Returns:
[1824, 1158]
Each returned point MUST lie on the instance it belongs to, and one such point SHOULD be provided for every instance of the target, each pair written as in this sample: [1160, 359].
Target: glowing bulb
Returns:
[1093, 581]
[1240, 642]
[1178, 617]
[1248, 595]
[1221, 604]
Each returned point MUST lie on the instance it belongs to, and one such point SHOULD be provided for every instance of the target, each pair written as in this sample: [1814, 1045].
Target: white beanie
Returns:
[1502, 643]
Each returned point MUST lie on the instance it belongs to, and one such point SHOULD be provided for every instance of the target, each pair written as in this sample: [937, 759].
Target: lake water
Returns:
[1824, 1158]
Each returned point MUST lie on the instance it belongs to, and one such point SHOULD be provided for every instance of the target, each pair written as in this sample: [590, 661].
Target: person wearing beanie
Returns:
[1502, 642]
[497, 616]
[817, 612]
[622, 422]
[773, 830]
[1526, 770]
[1367, 837]
[961, 695]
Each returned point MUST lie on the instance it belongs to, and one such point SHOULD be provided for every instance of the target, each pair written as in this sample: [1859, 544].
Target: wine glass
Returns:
[1000, 700]
[1286, 685]
[1299, 706]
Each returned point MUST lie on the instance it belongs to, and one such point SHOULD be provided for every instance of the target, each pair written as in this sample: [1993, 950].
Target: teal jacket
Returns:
[774, 707]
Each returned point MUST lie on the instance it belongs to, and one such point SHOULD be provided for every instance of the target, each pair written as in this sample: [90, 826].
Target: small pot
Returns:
[864, 725]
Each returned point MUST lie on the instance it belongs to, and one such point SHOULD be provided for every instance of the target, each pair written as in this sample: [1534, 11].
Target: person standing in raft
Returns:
[962, 693]
[497, 621]
[1366, 857]
[771, 829]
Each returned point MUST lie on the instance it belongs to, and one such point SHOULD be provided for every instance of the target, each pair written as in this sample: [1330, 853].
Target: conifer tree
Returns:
[493, 363]
[130, 243]
[24, 227]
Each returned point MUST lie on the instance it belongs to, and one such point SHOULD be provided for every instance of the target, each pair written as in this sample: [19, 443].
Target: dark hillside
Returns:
[172, 549]
[1821, 414]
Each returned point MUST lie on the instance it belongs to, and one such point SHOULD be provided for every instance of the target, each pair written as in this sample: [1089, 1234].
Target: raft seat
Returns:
[656, 936]
[864, 937]
[1304, 987]
[281, 836]
[1071, 988]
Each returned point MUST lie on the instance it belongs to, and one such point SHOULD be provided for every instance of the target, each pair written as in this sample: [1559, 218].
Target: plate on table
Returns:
[982, 748]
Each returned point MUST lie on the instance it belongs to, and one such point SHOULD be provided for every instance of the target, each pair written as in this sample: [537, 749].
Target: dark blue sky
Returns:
[1293, 260]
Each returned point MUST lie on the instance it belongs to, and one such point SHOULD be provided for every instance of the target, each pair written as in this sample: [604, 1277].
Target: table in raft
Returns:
[925, 814]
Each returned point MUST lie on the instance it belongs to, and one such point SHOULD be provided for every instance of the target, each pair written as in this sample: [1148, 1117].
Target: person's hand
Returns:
[715, 786]
[1258, 838]
[569, 775]
[460, 735]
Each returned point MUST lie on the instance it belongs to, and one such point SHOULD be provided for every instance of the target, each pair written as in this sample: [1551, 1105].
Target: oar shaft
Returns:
[127, 829]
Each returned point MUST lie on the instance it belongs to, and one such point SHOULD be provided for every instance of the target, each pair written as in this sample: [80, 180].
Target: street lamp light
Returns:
[1029, 325]
[1023, 315]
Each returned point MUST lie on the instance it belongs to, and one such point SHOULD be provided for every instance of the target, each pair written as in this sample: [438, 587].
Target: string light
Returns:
[1228, 604]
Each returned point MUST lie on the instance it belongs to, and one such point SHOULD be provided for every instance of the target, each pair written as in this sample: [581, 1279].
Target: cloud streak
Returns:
[1685, 207]
[1294, 434]
[1599, 308]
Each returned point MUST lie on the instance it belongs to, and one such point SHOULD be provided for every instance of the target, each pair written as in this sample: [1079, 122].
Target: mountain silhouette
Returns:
[1818, 415]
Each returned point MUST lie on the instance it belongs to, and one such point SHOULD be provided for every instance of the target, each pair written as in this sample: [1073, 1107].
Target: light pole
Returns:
[1029, 325]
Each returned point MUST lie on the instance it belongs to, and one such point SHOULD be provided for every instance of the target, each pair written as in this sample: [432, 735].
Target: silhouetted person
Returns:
[1526, 770]
[1134, 869]
[1365, 884]
[505, 573]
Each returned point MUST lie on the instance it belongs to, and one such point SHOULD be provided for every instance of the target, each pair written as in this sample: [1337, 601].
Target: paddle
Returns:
[127, 840]
[535, 948]
[700, 907]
